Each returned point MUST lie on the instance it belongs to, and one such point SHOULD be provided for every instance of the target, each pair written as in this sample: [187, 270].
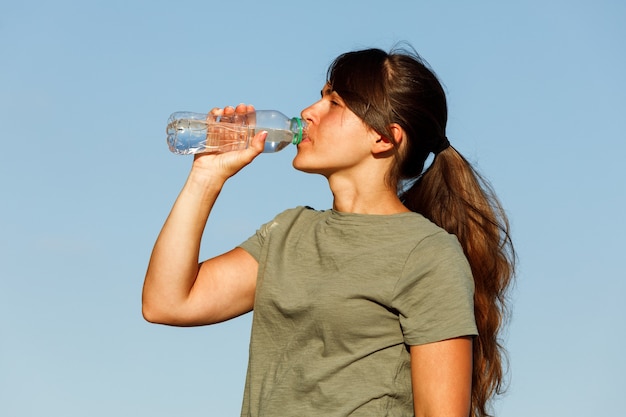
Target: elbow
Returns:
[155, 308]
[150, 315]
[153, 313]
[157, 313]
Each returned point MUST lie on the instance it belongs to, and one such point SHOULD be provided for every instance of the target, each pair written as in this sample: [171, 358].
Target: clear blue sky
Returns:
[537, 101]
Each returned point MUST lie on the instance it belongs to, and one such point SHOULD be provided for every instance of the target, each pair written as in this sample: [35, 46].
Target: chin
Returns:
[297, 162]
[300, 164]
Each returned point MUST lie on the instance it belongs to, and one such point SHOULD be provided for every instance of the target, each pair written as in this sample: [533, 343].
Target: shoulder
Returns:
[298, 214]
[299, 211]
[290, 218]
[430, 237]
[436, 258]
[424, 236]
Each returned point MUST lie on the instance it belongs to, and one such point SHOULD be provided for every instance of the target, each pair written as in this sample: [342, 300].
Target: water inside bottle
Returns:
[276, 139]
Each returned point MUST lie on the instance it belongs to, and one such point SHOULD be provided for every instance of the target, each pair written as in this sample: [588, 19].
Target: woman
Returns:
[390, 303]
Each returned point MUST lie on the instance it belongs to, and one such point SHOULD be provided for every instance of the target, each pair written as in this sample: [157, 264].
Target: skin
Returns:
[355, 159]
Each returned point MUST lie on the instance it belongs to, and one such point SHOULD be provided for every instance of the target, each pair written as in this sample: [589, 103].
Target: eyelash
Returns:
[335, 101]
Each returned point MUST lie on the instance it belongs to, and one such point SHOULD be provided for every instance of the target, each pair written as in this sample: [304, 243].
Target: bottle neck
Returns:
[298, 127]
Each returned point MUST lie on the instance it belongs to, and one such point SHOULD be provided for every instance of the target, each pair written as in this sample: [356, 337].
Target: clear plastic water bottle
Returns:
[190, 133]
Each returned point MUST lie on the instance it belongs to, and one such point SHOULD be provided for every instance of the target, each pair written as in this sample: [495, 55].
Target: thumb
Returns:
[258, 141]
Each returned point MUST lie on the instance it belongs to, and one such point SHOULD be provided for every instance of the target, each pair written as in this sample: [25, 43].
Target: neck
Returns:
[365, 198]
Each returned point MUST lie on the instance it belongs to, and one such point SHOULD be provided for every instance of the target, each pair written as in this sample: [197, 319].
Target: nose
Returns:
[308, 113]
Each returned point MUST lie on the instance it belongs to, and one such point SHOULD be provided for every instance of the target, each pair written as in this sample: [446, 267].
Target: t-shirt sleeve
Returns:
[254, 244]
[434, 296]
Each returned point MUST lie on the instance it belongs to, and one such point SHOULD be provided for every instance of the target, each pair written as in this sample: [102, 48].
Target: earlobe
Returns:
[382, 145]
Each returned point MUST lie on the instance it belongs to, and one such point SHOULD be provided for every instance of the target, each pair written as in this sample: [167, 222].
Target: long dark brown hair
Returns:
[399, 87]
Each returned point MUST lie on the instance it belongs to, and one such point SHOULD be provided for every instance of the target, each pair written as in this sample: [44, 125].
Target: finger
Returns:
[248, 111]
[241, 109]
[228, 115]
[245, 114]
[229, 110]
[215, 113]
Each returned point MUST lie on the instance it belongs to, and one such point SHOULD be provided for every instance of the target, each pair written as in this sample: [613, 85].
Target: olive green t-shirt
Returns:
[340, 297]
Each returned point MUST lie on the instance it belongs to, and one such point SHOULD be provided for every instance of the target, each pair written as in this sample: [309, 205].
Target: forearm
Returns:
[173, 266]
[175, 290]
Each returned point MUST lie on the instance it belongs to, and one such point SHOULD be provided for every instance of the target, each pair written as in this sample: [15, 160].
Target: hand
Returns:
[227, 164]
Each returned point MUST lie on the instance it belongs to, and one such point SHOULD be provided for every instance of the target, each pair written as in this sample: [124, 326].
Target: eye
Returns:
[335, 100]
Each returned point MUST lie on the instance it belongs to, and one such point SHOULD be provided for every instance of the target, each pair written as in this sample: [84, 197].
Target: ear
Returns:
[384, 144]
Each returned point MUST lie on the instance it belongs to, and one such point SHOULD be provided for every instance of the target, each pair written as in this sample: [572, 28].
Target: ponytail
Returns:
[455, 197]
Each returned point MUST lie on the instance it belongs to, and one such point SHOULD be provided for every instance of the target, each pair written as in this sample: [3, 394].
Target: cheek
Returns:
[315, 156]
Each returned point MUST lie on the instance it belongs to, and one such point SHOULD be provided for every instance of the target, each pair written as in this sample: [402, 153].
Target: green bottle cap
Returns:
[296, 128]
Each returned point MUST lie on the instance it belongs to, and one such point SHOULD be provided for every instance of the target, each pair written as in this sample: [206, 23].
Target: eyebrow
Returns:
[326, 91]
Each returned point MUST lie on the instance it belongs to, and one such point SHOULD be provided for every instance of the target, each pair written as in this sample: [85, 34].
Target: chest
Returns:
[333, 282]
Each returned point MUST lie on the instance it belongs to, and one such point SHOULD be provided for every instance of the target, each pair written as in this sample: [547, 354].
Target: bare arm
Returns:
[178, 290]
[442, 378]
